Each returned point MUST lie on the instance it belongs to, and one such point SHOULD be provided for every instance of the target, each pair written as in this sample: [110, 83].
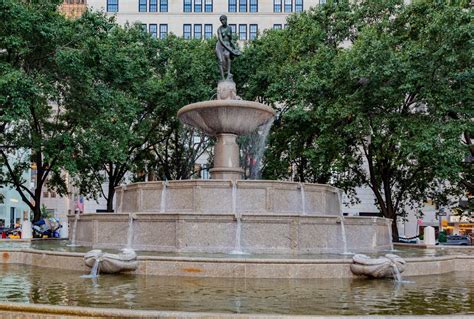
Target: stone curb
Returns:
[19, 310]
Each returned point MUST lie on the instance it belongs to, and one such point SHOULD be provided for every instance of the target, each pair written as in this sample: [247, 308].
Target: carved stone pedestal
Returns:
[226, 161]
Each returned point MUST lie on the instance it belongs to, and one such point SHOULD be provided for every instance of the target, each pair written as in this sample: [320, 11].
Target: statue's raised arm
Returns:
[225, 48]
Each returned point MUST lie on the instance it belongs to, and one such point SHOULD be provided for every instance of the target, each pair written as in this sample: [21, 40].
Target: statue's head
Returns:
[223, 19]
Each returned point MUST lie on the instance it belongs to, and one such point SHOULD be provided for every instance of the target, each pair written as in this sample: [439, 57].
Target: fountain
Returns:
[207, 216]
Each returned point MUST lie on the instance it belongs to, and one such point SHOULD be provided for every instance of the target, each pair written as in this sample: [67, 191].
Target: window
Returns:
[163, 5]
[153, 29]
[112, 5]
[207, 31]
[143, 25]
[233, 28]
[163, 31]
[188, 6]
[253, 29]
[197, 5]
[242, 32]
[142, 5]
[198, 31]
[187, 31]
[243, 5]
[253, 5]
[277, 27]
[288, 5]
[322, 1]
[208, 6]
[277, 5]
[153, 6]
[298, 5]
[232, 6]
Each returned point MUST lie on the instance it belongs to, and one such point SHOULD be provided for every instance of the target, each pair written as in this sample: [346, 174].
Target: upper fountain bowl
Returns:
[226, 116]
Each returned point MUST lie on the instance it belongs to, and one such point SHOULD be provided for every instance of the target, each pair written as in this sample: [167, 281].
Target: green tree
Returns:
[188, 73]
[111, 71]
[36, 126]
[369, 88]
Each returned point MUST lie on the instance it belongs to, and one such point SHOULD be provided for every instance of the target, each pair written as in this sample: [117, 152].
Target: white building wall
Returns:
[265, 18]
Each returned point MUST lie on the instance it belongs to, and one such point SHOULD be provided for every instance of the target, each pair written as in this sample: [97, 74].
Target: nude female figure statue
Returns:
[225, 48]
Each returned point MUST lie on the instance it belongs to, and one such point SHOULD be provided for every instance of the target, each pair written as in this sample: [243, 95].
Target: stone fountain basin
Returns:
[252, 197]
[226, 116]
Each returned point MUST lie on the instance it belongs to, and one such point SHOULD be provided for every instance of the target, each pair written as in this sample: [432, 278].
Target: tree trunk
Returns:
[36, 211]
[110, 197]
[395, 236]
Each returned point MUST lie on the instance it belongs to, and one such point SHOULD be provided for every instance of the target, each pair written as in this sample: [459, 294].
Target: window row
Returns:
[245, 32]
[196, 32]
[152, 5]
[288, 5]
[153, 30]
[197, 6]
[243, 6]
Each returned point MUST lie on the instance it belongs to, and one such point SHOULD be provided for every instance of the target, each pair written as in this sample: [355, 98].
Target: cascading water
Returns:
[259, 149]
[397, 276]
[389, 226]
[163, 197]
[94, 270]
[74, 230]
[343, 227]
[303, 200]
[130, 232]
[238, 231]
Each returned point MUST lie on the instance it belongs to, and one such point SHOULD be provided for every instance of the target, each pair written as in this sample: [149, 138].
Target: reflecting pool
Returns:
[451, 293]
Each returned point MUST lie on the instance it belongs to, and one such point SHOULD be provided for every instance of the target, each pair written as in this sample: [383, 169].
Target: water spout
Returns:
[397, 276]
[94, 270]
[343, 227]
[74, 231]
[303, 200]
[259, 148]
[389, 225]
[238, 230]
[163, 197]
[131, 217]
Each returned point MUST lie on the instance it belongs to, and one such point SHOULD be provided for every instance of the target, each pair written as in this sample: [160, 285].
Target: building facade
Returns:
[200, 18]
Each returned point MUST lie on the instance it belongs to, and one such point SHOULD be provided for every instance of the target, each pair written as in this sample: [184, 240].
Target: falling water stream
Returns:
[303, 200]
[163, 197]
[94, 270]
[238, 231]
[74, 230]
[260, 145]
[389, 226]
[130, 232]
[343, 227]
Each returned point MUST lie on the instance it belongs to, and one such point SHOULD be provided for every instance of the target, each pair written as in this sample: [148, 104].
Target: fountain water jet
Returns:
[238, 229]
[303, 199]
[74, 230]
[163, 197]
[260, 145]
[131, 217]
[343, 227]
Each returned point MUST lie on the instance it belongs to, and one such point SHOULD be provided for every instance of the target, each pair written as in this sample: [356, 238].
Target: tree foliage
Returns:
[364, 93]
[36, 125]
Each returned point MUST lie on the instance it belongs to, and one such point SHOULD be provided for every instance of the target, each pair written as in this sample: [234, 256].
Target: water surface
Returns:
[451, 293]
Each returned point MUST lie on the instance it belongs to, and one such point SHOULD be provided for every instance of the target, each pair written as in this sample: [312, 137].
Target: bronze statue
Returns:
[225, 48]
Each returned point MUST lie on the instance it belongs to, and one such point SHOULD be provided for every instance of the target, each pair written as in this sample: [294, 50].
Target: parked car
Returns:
[458, 240]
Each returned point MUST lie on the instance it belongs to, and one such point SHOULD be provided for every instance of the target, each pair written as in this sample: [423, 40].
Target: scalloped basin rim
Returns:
[225, 103]
[216, 117]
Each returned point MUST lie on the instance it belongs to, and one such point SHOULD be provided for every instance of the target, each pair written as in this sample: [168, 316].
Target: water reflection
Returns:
[446, 294]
